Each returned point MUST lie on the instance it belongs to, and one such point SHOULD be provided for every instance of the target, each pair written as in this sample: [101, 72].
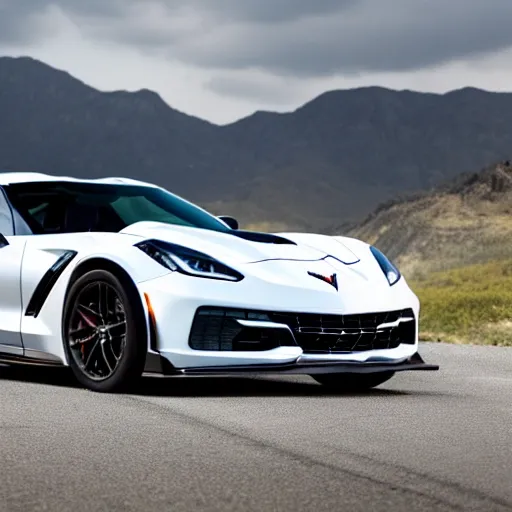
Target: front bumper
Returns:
[175, 300]
[302, 366]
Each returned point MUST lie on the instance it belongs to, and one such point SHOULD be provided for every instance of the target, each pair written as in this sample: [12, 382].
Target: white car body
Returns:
[276, 280]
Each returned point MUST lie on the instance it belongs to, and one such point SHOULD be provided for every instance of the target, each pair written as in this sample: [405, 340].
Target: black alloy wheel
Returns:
[104, 332]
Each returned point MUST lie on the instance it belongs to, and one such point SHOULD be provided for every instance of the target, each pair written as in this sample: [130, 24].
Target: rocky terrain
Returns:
[463, 222]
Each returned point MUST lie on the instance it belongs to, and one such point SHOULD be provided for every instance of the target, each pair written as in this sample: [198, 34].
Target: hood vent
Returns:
[264, 238]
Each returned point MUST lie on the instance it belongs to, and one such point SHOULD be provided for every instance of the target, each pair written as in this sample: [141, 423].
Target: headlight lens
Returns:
[188, 261]
[390, 271]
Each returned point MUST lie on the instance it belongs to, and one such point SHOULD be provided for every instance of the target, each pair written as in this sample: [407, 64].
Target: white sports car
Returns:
[116, 278]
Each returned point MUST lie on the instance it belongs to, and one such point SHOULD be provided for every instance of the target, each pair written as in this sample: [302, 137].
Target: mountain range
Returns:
[322, 167]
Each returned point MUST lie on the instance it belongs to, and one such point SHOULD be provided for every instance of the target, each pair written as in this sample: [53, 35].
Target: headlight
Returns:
[187, 261]
[390, 271]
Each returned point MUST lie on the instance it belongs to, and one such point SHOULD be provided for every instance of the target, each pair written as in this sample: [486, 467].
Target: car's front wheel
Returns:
[353, 382]
[104, 332]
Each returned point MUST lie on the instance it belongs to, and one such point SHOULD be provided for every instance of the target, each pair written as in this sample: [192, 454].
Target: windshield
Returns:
[67, 207]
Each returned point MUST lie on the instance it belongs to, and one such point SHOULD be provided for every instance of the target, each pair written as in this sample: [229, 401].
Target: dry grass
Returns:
[467, 305]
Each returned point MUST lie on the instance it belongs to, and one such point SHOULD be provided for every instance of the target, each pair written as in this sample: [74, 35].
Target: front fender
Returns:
[42, 333]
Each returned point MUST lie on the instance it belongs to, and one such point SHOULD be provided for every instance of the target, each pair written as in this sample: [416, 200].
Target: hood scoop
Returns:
[264, 238]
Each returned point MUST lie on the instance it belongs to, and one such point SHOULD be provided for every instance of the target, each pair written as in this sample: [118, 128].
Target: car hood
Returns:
[235, 248]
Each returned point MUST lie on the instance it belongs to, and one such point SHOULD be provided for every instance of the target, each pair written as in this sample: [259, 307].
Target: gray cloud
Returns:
[24, 21]
[265, 11]
[17, 23]
[284, 37]
[366, 37]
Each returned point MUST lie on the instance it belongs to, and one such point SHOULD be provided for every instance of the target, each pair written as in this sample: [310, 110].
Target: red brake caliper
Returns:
[89, 322]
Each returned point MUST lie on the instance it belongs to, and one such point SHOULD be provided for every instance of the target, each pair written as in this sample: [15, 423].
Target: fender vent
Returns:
[47, 282]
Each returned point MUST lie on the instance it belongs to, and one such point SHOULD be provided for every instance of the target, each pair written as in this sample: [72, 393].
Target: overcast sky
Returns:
[224, 59]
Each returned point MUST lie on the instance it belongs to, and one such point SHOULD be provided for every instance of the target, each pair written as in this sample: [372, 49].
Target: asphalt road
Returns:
[424, 441]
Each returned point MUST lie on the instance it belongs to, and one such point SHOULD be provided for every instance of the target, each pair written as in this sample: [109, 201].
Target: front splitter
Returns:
[413, 363]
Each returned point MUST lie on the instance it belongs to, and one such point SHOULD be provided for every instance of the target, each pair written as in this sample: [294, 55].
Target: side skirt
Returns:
[29, 361]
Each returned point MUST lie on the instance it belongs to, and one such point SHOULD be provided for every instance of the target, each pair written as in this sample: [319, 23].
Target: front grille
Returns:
[350, 333]
[217, 329]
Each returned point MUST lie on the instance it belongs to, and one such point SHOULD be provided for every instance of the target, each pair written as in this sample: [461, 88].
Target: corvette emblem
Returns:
[332, 280]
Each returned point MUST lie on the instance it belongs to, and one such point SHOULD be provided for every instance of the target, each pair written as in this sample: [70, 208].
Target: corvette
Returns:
[117, 278]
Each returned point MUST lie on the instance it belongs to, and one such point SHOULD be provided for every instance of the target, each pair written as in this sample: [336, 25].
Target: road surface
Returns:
[424, 441]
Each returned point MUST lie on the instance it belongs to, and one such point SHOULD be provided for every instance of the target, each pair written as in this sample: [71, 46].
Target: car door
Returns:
[11, 256]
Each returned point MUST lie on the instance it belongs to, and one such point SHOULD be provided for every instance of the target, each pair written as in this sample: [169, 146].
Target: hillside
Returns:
[328, 163]
[464, 222]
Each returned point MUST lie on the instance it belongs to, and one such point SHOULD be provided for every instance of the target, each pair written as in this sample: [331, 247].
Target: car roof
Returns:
[9, 178]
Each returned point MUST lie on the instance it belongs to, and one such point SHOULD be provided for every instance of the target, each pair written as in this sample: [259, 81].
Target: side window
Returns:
[45, 211]
[6, 223]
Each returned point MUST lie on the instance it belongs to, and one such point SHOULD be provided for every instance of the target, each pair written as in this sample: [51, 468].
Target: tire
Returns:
[104, 336]
[353, 382]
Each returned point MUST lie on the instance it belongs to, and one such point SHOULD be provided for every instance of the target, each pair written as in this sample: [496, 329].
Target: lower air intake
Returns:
[218, 329]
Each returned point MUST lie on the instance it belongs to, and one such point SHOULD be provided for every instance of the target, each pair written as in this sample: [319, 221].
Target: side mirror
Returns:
[3, 241]
[230, 221]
